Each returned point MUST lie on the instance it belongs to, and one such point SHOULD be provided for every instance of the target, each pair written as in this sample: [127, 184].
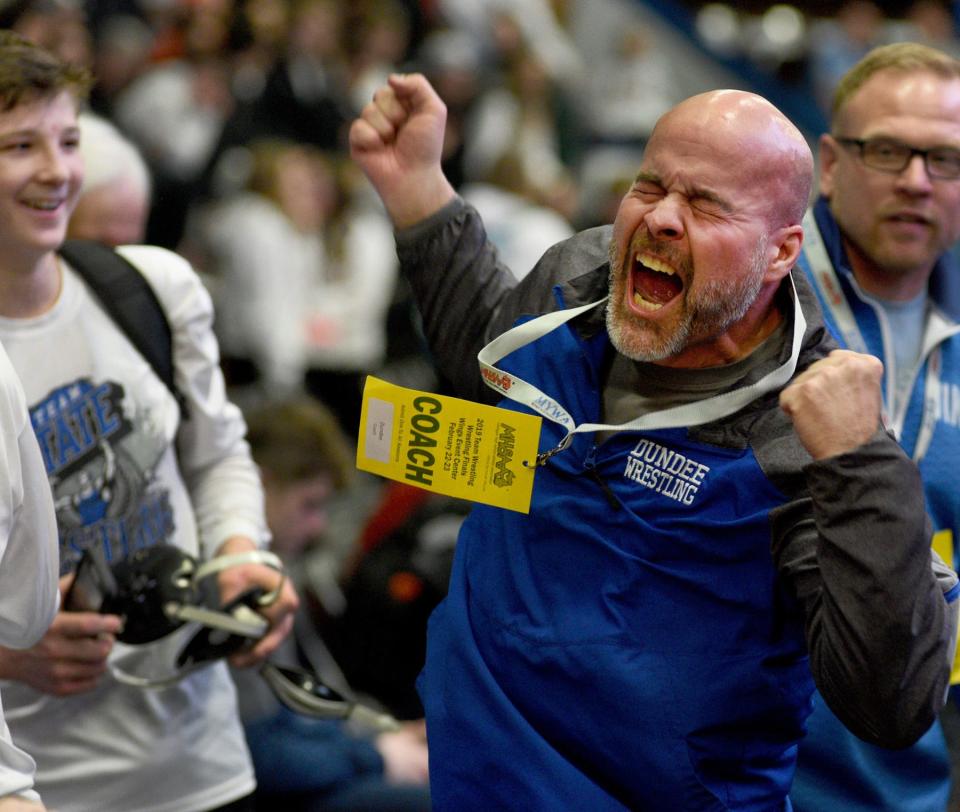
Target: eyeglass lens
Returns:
[941, 162]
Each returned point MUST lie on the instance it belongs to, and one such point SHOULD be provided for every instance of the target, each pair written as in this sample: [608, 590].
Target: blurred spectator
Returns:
[534, 23]
[931, 22]
[176, 108]
[305, 272]
[258, 37]
[396, 576]
[59, 26]
[378, 44]
[528, 118]
[519, 220]
[305, 98]
[631, 88]
[114, 201]
[453, 62]
[837, 43]
[305, 764]
[290, 82]
[122, 51]
[175, 111]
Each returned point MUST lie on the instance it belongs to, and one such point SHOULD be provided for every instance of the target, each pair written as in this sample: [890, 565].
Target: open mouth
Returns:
[654, 283]
[43, 205]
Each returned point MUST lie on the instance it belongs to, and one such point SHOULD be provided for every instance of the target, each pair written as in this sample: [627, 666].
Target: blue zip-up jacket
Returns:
[836, 770]
[644, 638]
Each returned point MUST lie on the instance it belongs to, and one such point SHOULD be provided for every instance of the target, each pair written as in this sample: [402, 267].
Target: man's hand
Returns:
[16, 803]
[398, 142]
[234, 581]
[404, 754]
[70, 658]
[835, 403]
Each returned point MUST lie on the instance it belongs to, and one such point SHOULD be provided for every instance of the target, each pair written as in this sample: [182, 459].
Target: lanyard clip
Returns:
[542, 458]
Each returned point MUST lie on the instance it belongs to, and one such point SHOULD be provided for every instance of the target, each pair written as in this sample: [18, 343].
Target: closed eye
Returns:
[708, 205]
[646, 190]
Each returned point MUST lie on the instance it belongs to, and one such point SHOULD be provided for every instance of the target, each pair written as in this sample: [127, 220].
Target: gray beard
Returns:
[715, 308]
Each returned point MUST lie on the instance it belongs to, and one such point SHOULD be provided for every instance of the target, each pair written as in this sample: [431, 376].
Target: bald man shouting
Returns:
[717, 511]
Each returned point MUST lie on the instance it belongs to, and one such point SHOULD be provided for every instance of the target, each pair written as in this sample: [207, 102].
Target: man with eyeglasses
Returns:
[876, 250]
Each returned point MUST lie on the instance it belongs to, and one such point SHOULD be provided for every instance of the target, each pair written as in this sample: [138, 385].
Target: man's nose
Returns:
[53, 168]
[914, 177]
[665, 219]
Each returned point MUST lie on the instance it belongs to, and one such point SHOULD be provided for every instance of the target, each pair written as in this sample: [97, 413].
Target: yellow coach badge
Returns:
[448, 445]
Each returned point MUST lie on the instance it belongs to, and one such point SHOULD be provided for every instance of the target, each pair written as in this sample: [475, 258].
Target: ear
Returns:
[787, 242]
[829, 149]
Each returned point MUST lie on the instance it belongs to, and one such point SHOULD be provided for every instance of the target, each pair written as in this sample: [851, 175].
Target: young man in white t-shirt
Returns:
[128, 471]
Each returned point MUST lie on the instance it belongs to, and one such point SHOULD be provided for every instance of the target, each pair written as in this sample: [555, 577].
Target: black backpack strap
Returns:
[129, 301]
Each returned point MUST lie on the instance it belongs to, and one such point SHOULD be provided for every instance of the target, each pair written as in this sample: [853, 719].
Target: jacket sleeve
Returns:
[213, 454]
[880, 607]
[459, 285]
[467, 296]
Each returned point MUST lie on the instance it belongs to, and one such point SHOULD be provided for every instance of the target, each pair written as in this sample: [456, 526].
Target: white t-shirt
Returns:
[28, 554]
[907, 321]
[106, 426]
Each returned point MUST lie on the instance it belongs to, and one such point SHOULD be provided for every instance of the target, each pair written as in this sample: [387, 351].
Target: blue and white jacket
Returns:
[644, 638]
[836, 770]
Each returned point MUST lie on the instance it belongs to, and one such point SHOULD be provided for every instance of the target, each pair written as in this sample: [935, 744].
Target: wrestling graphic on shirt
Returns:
[101, 463]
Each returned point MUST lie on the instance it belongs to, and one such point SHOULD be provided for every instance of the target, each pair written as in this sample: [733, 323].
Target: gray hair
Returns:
[108, 155]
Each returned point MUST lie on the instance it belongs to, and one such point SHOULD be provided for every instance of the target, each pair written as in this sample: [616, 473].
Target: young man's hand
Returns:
[70, 658]
[234, 581]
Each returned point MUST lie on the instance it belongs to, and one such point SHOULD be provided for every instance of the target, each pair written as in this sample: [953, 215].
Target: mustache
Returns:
[646, 244]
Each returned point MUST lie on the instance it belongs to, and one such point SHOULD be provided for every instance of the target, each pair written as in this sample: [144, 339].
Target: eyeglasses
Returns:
[887, 155]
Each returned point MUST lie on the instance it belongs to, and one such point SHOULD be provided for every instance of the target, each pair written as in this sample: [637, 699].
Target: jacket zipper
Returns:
[590, 466]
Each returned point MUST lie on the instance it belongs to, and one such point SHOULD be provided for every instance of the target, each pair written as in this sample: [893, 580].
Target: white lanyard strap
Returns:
[938, 330]
[688, 414]
[826, 279]
[931, 394]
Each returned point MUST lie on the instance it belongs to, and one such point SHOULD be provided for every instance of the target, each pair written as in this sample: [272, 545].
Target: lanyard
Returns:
[688, 414]
[825, 277]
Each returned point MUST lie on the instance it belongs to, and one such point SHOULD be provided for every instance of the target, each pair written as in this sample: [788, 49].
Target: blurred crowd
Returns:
[240, 109]
[810, 52]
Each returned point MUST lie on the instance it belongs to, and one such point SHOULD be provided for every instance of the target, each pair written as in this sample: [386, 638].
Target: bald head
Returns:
[711, 227]
[752, 138]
